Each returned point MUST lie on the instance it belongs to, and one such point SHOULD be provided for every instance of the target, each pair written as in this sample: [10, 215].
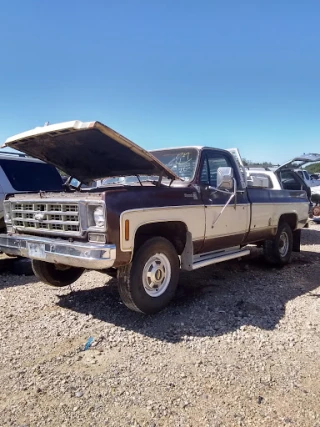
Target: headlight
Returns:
[7, 212]
[98, 216]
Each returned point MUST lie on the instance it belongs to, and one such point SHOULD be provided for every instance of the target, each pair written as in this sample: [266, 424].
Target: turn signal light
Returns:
[97, 238]
[126, 229]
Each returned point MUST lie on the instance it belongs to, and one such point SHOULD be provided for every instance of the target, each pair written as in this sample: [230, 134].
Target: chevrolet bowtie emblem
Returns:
[39, 216]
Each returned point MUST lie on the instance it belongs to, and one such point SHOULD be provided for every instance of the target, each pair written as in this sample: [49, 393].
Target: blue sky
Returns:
[164, 73]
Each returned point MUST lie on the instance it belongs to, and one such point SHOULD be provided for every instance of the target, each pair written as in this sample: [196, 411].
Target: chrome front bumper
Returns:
[76, 254]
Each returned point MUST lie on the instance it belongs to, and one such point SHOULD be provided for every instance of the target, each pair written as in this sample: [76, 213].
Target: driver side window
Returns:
[211, 163]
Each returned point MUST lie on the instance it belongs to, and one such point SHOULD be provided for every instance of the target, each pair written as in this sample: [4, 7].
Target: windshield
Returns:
[31, 176]
[182, 161]
[306, 175]
[127, 180]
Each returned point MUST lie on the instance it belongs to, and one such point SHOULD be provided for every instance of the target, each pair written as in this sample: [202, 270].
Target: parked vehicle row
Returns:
[175, 209]
[315, 176]
[297, 163]
[21, 174]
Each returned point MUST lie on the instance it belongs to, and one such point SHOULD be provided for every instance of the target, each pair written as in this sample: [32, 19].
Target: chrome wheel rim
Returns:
[156, 275]
[283, 244]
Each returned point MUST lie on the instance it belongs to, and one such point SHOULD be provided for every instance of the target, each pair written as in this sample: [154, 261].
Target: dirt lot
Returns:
[239, 346]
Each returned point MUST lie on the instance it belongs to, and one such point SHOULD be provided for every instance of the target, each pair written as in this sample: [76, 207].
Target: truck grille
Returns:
[46, 217]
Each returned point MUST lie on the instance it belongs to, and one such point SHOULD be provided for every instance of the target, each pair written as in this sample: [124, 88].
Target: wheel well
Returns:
[174, 231]
[291, 219]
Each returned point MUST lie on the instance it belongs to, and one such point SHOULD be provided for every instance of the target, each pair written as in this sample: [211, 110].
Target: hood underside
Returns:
[88, 151]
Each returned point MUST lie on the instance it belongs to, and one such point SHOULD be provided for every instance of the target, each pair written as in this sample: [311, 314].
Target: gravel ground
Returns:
[239, 346]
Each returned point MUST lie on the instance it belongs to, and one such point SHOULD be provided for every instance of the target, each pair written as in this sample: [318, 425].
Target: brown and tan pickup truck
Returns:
[152, 213]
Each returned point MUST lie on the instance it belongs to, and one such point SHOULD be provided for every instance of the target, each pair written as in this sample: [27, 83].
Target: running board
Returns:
[191, 262]
[203, 260]
[208, 259]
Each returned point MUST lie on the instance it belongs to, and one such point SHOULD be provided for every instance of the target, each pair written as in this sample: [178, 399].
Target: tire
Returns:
[279, 250]
[57, 275]
[155, 261]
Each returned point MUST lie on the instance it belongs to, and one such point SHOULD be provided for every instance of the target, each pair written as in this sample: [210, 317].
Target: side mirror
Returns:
[225, 178]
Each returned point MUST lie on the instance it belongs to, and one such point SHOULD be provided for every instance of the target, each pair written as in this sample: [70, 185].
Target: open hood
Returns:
[299, 161]
[87, 151]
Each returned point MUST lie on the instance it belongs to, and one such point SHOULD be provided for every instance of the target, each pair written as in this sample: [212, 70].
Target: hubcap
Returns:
[156, 275]
[283, 244]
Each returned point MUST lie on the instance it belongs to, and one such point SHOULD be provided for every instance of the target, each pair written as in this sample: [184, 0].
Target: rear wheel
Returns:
[57, 275]
[148, 284]
[279, 250]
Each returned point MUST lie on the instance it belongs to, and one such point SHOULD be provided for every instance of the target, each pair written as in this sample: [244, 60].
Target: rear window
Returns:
[262, 175]
[31, 176]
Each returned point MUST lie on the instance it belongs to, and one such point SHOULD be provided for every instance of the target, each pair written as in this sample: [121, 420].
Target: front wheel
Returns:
[279, 250]
[148, 284]
[57, 275]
